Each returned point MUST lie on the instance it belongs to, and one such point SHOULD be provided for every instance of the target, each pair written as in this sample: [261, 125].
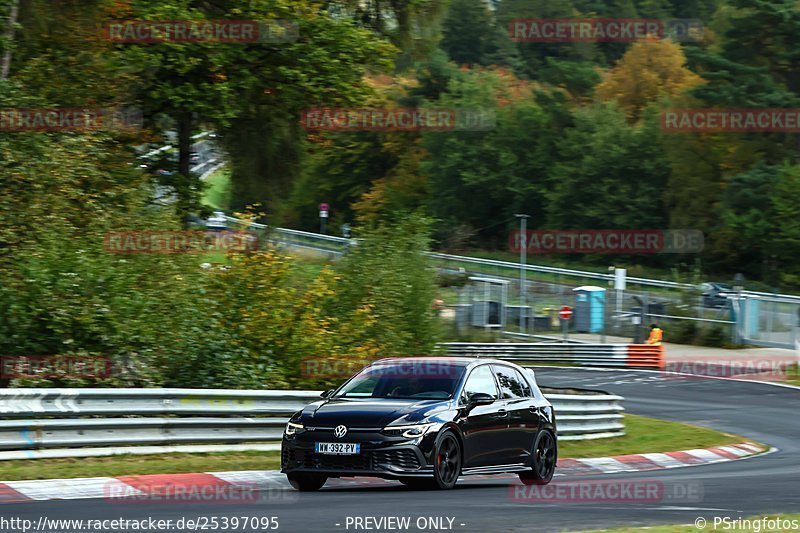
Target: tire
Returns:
[306, 482]
[545, 456]
[447, 461]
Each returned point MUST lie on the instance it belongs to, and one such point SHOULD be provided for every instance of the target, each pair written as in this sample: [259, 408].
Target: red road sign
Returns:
[324, 207]
[565, 313]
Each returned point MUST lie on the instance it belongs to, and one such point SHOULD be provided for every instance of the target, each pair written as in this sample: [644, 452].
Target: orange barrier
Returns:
[647, 355]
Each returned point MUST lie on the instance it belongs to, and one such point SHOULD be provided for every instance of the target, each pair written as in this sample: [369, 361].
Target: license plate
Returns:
[338, 448]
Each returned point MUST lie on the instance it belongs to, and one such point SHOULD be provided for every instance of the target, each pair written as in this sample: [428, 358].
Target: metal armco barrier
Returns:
[597, 355]
[588, 416]
[34, 419]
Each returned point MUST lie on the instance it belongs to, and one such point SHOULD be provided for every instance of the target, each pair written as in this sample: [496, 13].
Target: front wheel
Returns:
[447, 461]
[545, 454]
[306, 482]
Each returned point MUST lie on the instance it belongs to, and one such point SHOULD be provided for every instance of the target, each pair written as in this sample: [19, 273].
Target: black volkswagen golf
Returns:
[425, 421]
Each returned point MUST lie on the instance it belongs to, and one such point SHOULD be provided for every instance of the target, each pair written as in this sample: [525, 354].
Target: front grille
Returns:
[368, 460]
[405, 459]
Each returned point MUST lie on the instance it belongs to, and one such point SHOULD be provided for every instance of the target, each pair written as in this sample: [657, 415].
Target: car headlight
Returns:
[292, 428]
[410, 431]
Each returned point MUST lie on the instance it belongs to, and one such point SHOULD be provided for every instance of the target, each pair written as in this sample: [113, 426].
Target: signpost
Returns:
[620, 275]
[323, 216]
[565, 314]
[523, 249]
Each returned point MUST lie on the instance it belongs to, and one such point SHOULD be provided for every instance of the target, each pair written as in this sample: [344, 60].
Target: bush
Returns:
[681, 332]
[715, 336]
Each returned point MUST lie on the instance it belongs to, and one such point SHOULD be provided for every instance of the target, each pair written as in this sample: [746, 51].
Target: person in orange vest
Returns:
[655, 335]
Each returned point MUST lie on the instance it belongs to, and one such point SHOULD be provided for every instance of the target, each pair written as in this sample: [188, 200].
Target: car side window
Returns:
[480, 380]
[526, 388]
[511, 383]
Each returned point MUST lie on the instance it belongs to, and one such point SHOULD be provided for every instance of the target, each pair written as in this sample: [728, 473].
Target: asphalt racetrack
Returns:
[762, 484]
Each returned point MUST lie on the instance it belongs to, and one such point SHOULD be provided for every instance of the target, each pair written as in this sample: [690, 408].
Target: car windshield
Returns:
[403, 380]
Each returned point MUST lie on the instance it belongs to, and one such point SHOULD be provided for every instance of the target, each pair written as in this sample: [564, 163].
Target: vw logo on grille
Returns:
[340, 431]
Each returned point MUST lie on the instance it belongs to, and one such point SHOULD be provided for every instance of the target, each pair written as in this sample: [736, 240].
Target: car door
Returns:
[483, 426]
[523, 417]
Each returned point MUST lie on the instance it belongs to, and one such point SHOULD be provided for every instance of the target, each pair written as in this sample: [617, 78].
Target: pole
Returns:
[523, 256]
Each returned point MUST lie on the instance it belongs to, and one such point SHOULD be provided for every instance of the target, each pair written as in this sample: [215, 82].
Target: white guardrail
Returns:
[72, 419]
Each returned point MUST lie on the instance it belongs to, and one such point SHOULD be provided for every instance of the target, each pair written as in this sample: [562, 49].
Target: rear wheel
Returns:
[307, 482]
[545, 454]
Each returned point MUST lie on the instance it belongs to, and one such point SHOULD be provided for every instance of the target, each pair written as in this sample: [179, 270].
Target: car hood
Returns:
[369, 412]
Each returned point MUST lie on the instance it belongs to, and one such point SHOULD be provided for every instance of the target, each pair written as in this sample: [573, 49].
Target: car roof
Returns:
[456, 361]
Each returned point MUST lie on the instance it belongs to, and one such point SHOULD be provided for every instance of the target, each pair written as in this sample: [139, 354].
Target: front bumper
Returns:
[389, 461]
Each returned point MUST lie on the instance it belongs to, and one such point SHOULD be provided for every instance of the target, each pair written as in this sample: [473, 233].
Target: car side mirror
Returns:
[480, 398]
[326, 394]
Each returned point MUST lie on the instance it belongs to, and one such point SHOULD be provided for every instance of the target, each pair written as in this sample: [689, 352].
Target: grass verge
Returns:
[648, 435]
[644, 435]
[217, 193]
[793, 375]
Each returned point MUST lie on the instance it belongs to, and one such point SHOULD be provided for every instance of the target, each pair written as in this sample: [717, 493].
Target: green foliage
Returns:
[505, 167]
[603, 162]
[387, 272]
[471, 36]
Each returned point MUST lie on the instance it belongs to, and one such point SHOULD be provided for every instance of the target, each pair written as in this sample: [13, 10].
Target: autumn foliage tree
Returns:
[646, 73]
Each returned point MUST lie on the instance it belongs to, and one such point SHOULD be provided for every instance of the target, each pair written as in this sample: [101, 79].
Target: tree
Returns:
[646, 73]
[609, 174]
[412, 26]
[747, 221]
[482, 178]
[468, 31]
[785, 245]
[327, 66]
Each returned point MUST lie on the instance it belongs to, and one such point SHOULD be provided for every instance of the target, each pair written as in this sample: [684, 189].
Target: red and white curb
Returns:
[658, 461]
[231, 486]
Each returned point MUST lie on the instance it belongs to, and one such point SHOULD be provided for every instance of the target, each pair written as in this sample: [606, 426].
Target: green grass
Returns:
[793, 375]
[709, 526]
[648, 435]
[218, 190]
[644, 435]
